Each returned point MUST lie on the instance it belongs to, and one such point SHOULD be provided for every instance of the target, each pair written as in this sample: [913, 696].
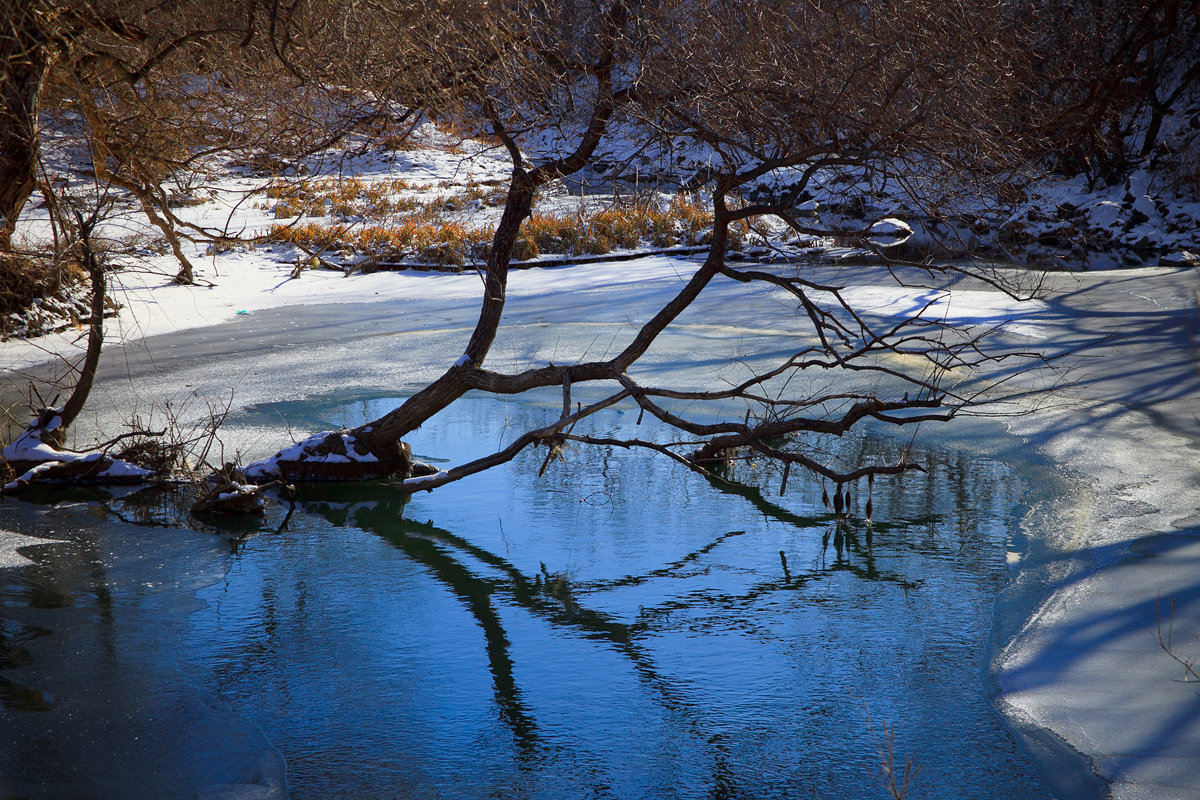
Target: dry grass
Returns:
[343, 198]
[682, 221]
[433, 242]
[355, 199]
[34, 293]
[371, 221]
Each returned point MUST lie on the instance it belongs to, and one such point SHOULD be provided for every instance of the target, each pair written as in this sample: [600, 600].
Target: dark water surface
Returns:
[619, 627]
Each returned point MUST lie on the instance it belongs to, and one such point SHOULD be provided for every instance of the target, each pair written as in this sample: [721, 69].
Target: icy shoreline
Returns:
[1086, 666]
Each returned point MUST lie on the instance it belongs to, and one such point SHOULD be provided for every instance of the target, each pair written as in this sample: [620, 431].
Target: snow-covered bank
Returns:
[1088, 666]
[154, 305]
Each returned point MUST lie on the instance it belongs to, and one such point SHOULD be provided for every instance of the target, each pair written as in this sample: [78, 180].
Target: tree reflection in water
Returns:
[634, 631]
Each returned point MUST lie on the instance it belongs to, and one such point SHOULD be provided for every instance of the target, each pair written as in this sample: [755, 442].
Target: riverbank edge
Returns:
[1133, 459]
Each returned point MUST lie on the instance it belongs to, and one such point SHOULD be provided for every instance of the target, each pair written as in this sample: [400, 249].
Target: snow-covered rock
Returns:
[1106, 214]
[1180, 258]
[888, 232]
[890, 226]
[331, 455]
[1145, 206]
[231, 497]
[38, 461]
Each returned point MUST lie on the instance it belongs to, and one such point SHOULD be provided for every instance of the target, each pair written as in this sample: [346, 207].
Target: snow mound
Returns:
[40, 462]
[890, 226]
[889, 232]
[329, 455]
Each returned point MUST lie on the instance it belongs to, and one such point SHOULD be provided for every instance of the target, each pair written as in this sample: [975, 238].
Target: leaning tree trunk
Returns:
[91, 359]
[382, 436]
[25, 62]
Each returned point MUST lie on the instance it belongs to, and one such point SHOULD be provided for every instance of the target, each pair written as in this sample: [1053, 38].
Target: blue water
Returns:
[619, 627]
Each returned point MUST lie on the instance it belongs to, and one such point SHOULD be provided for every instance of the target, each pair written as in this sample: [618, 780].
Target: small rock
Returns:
[228, 497]
[1106, 214]
[808, 208]
[1146, 207]
[888, 232]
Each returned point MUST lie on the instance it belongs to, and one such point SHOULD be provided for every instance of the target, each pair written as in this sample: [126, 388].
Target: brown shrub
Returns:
[24, 280]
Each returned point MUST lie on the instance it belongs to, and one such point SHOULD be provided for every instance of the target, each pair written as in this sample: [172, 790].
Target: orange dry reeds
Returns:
[682, 221]
[310, 236]
[436, 243]
[344, 198]
[424, 233]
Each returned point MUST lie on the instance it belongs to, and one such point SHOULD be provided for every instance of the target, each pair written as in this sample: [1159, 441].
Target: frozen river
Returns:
[616, 628]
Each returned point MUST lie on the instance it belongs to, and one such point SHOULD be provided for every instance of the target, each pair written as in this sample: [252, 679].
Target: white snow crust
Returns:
[28, 446]
[890, 226]
[305, 450]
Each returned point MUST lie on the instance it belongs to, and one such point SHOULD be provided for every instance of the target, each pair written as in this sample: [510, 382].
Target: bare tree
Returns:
[39, 43]
[25, 58]
[1105, 74]
[777, 92]
[159, 91]
[768, 87]
[158, 94]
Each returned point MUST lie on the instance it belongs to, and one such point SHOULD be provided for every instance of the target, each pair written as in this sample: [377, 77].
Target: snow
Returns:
[268, 468]
[1145, 205]
[1110, 693]
[30, 447]
[1087, 665]
[1143, 212]
[1181, 258]
[256, 282]
[255, 277]
[959, 307]
[1106, 214]
[421, 481]
[890, 226]
[124, 470]
[31, 475]
[265, 470]
[240, 490]
[118, 470]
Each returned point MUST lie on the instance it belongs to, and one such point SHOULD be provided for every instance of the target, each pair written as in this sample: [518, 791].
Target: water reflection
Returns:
[618, 628]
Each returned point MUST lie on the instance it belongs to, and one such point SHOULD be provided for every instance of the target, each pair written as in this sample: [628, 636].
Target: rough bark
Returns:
[25, 62]
[91, 359]
[382, 434]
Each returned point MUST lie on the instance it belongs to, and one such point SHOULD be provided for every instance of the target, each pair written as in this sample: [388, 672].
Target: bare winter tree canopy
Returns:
[602, 276]
[771, 89]
[949, 99]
